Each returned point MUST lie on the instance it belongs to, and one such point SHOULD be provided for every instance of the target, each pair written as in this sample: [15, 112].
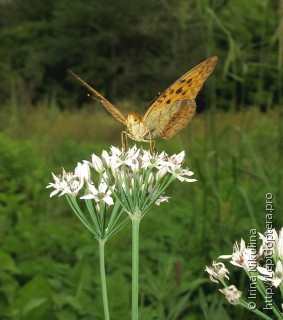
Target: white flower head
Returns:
[67, 183]
[242, 257]
[275, 277]
[217, 271]
[139, 177]
[232, 294]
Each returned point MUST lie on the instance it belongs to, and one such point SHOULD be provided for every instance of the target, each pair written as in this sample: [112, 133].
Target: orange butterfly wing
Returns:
[175, 107]
[115, 112]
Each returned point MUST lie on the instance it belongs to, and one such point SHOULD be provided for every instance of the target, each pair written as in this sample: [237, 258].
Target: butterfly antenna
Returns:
[154, 99]
[86, 85]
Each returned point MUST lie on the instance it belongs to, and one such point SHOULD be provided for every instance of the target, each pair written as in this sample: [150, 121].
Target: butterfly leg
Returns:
[151, 144]
[124, 140]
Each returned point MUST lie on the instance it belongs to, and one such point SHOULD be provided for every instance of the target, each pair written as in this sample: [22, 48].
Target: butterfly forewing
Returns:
[184, 89]
[115, 112]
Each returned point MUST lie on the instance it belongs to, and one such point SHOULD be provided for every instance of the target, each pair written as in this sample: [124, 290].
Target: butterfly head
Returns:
[133, 119]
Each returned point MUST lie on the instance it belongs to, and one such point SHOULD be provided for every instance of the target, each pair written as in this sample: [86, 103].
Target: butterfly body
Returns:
[170, 111]
[136, 127]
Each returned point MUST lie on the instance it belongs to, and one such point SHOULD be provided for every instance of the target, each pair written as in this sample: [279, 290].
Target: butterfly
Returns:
[170, 112]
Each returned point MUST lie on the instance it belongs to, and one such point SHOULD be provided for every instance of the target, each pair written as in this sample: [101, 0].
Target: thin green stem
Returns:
[135, 266]
[256, 311]
[103, 279]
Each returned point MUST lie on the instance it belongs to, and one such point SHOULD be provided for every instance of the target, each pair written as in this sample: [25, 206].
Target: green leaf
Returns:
[66, 314]
[7, 263]
[33, 301]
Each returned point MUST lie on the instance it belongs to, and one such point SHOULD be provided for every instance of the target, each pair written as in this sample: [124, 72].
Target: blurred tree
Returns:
[134, 49]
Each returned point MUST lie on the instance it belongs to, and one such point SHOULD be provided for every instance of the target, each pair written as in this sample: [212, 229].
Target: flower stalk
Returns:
[135, 266]
[103, 278]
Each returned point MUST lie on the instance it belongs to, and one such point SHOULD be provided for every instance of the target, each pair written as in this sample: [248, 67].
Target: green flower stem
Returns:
[135, 266]
[256, 311]
[103, 278]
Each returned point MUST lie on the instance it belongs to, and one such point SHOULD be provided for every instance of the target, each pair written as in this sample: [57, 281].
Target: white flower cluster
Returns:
[135, 177]
[266, 264]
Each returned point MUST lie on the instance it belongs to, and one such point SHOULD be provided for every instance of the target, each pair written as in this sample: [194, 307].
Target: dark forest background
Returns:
[133, 49]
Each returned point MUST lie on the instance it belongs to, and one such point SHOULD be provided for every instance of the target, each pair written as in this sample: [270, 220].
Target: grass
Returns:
[49, 265]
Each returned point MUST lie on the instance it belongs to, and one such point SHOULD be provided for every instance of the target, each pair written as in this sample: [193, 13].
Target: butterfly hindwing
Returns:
[165, 122]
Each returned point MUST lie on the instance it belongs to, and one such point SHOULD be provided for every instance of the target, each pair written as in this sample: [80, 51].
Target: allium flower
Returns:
[136, 178]
[232, 294]
[141, 178]
[269, 242]
[100, 195]
[177, 159]
[162, 199]
[275, 277]
[272, 243]
[242, 257]
[182, 174]
[96, 163]
[67, 184]
[82, 171]
[154, 161]
[217, 271]
[280, 245]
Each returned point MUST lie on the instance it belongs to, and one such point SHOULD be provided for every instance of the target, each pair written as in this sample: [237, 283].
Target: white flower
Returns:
[96, 163]
[161, 172]
[115, 152]
[67, 183]
[133, 163]
[161, 199]
[102, 194]
[105, 158]
[217, 271]
[181, 174]
[280, 245]
[118, 157]
[242, 257]
[276, 278]
[154, 161]
[269, 242]
[177, 159]
[82, 171]
[232, 294]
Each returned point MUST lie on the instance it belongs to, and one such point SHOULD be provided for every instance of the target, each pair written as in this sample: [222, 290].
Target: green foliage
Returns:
[49, 264]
